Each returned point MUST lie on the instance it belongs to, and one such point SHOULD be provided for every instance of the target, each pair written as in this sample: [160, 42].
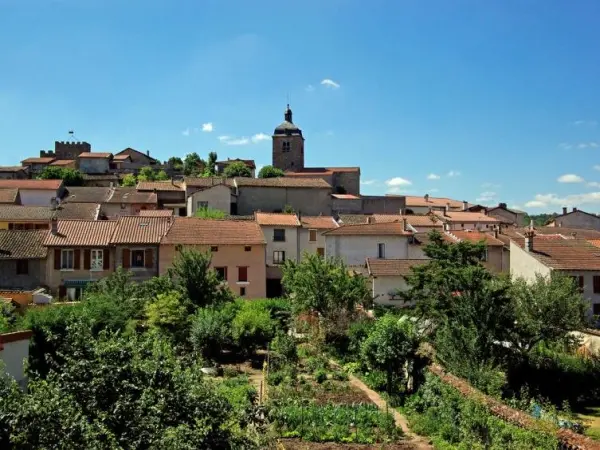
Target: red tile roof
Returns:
[435, 202]
[321, 171]
[392, 267]
[282, 182]
[277, 219]
[194, 231]
[62, 162]
[46, 185]
[7, 169]
[22, 244]
[476, 236]
[81, 233]
[566, 254]
[131, 195]
[413, 219]
[9, 196]
[162, 186]
[43, 160]
[99, 155]
[141, 230]
[465, 216]
[345, 196]
[370, 229]
[206, 181]
[319, 222]
[156, 213]
[121, 157]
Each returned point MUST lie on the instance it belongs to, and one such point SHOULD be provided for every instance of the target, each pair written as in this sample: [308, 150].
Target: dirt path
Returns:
[417, 441]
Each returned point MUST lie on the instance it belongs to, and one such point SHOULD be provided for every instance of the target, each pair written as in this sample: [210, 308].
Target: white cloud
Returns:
[535, 204]
[570, 178]
[593, 144]
[368, 182]
[238, 141]
[490, 186]
[207, 127]
[580, 145]
[593, 184]
[260, 137]
[589, 123]
[224, 138]
[597, 167]
[398, 181]
[309, 88]
[565, 146]
[186, 132]
[330, 83]
[552, 200]
[487, 196]
[433, 176]
[454, 173]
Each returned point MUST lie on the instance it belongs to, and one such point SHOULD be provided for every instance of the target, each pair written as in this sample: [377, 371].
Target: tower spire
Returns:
[288, 114]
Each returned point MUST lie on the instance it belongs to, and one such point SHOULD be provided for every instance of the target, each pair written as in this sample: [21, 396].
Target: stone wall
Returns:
[94, 165]
[308, 201]
[34, 279]
[383, 204]
[348, 181]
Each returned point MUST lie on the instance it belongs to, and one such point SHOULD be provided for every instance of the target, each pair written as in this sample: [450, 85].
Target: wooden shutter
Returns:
[77, 259]
[57, 259]
[106, 259]
[87, 256]
[242, 274]
[149, 258]
[62, 292]
[126, 263]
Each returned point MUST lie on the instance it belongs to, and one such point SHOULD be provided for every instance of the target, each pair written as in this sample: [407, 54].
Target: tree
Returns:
[270, 172]
[211, 165]
[209, 213]
[146, 173]
[191, 271]
[162, 176]
[71, 177]
[129, 180]
[193, 165]
[175, 162]
[252, 327]
[211, 331]
[237, 169]
[288, 209]
[168, 315]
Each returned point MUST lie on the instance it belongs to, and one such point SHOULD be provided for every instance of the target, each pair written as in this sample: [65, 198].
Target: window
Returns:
[596, 284]
[278, 257]
[596, 309]
[73, 293]
[243, 291]
[285, 146]
[247, 248]
[67, 259]
[214, 248]
[279, 235]
[462, 225]
[23, 267]
[484, 255]
[578, 280]
[243, 274]
[312, 235]
[201, 205]
[221, 273]
[137, 258]
[321, 251]
[381, 251]
[96, 260]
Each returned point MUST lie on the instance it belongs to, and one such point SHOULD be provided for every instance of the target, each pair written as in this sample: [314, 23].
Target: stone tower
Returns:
[288, 145]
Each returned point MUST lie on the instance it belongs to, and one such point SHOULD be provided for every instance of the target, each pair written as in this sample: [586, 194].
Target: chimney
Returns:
[54, 225]
[148, 153]
[299, 215]
[426, 197]
[496, 231]
[53, 203]
[574, 209]
[446, 208]
[529, 234]
[465, 205]
[564, 210]
[370, 219]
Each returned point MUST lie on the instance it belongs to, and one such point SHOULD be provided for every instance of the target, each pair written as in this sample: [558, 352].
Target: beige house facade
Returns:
[217, 197]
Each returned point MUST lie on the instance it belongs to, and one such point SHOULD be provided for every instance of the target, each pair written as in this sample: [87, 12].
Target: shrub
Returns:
[211, 331]
[275, 378]
[340, 376]
[285, 345]
[252, 327]
[316, 362]
[230, 372]
[320, 375]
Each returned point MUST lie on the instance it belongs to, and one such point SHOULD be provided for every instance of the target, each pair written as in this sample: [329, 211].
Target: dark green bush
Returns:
[285, 345]
[320, 375]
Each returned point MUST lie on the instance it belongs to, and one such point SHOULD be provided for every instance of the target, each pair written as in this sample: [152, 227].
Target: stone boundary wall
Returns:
[569, 440]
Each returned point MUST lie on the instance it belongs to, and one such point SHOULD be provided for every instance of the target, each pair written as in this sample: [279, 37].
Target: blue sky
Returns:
[485, 101]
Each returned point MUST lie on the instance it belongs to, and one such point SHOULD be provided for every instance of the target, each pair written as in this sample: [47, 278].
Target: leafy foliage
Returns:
[129, 180]
[252, 327]
[210, 213]
[146, 173]
[211, 331]
[71, 177]
[176, 162]
[270, 172]
[193, 164]
[237, 169]
[168, 315]
[211, 165]
[161, 175]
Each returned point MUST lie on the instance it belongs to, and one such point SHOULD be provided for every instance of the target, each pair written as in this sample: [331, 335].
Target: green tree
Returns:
[211, 331]
[162, 176]
[209, 213]
[270, 172]
[129, 180]
[288, 209]
[211, 165]
[192, 272]
[176, 162]
[237, 169]
[252, 327]
[146, 173]
[168, 315]
[71, 177]
[193, 164]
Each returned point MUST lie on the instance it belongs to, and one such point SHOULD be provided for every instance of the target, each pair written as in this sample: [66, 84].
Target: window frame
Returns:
[248, 248]
[485, 255]
[312, 232]
[214, 248]
[286, 146]
[321, 252]
[94, 265]
[132, 252]
[239, 277]
[596, 284]
[63, 258]
[280, 259]
[278, 233]
[380, 253]
[22, 267]
[242, 291]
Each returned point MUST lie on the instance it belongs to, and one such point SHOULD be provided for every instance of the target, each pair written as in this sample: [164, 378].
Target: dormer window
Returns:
[285, 146]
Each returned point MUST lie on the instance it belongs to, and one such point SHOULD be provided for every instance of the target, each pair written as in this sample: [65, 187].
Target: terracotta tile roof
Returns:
[119, 157]
[277, 219]
[594, 242]
[206, 182]
[249, 162]
[465, 216]
[283, 182]
[566, 254]
[369, 229]
[73, 210]
[130, 150]
[435, 202]
[476, 236]
[20, 213]
[6, 169]
[141, 230]
[131, 195]
[22, 244]
[413, 219]
[156, 213]
[9, 196]
[43, 160]
[423, 238]
[345, 196]
[579, 233]
[99, 155]
[87, 194]
[159, 186]
[392, 267]
[353, 219]
[62, 162]
[318, 222]
[194, 231]
[43, 185]
[81, 233]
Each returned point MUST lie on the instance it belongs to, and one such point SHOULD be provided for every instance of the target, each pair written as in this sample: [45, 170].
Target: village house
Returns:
[426, 204]
[310, 234]
[496, 257]
[95, 163]
[105, 180]
[575, 219]
[22, 259]
[79, 253]
[137, 240]
[169, 194]
[506, 215]
[212, 192]
[36, 192]
[128, 202]
[249, 163]
[354, 243]
[281, 235]
[14, 352]
[466, 220]
[387, 279]
[14, 173]
[132, 160]
[37, 165]
[237, 249]
[10, 197]
[543, 254]
[64, 163]
[18, 217]
[83, 194]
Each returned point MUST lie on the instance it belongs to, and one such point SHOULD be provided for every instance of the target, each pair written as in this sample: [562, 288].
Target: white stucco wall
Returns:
[307, 246]
[289, 246]
[36, 197]
[13, 356]
[416, 252]
[383, 285]
[218, 197]
[524, 265]
[355, 249]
